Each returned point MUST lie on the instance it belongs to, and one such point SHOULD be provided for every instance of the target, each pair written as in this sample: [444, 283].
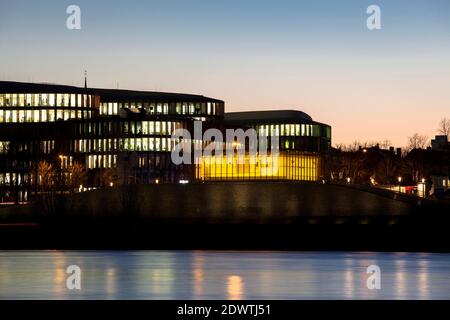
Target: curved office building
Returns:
[64, 138]
[301, 144]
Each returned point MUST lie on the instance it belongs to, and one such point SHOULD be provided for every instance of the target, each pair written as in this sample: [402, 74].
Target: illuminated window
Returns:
[152, 144]
[29, 100]
[37, 99]
[66, 100]
[152, 127]
[145, 144]
[59, 99]
[36, 116]
[21, 116]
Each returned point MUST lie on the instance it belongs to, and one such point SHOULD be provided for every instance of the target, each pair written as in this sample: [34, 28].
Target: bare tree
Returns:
[385, 144]
[45, 175]
[417, 141]
[77, 176]
[47, 188]
[444, 127]
[354, 146]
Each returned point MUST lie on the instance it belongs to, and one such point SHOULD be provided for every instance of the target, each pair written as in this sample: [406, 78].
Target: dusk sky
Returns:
[314, 56]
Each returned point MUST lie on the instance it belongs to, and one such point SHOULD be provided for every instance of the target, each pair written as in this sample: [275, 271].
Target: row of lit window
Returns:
[208, 108]
[42, 115]
[46, 100]
[298, 130]
[128, 128]
[15, 179]
[181, 108]
[46, 146]
[150, 127]
[101, 161]
[127, 144]
[8, 196]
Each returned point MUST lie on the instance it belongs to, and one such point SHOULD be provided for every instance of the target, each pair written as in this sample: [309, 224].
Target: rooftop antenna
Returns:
[85, 79]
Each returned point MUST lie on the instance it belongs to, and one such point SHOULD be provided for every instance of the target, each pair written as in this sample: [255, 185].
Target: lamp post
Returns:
[424, 187]
[61, 173]
[399, 183]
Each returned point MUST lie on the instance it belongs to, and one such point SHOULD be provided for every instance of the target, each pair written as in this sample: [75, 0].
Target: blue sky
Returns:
[315, 56]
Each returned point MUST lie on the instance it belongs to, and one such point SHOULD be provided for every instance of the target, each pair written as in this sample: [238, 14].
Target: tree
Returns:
[417, 141]
[77, 176]
[45, 175]
[385, 144]
[46, 186]
[444, 127]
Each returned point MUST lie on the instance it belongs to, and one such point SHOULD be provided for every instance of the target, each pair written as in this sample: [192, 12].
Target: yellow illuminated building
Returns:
[287, 165]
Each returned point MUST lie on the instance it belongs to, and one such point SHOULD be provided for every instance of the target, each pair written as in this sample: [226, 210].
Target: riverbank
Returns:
[238, 216]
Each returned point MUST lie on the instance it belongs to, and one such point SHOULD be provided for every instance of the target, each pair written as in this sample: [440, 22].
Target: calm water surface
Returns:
[222, 275]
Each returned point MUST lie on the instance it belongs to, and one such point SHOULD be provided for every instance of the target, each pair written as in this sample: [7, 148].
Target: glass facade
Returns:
[284, 166]
[46, 107]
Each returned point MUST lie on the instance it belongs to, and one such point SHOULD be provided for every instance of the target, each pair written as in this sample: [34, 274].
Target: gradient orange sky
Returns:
[314, 56]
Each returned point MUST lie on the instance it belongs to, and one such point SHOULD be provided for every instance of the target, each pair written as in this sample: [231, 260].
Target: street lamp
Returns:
[348, 180]
[399, 183]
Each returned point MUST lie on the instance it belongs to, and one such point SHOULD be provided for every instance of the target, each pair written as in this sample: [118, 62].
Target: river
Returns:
[222, 275]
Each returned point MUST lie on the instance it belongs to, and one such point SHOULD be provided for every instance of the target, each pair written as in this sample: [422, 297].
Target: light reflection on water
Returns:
[222, 275]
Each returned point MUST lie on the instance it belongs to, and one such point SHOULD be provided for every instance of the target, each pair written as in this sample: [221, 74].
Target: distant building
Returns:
[440, 143]
[124, 137]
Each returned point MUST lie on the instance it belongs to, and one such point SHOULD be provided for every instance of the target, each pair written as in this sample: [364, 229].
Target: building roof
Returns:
[126, 95]
[107, 95]
[284, 116]
[26, 87]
